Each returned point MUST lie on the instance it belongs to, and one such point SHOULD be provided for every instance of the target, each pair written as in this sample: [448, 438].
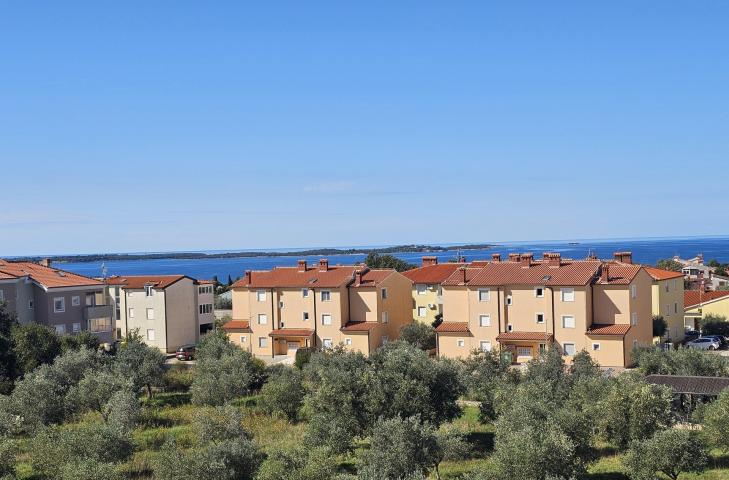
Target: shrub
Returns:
[219, 380]
[583, 367]
[142, 364]
[95, 389]
[682, 361]
[670, 452]
[303, 356]
[8, 450]
[122, 410]
[716, 422]
[34, 345]
[85, 469]
[659, 326]
[419, 335]
[283, 394]
[178, 379]
[714, 325]
[299, 464]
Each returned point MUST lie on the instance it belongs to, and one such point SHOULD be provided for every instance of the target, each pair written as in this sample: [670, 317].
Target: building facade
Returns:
[698, 304]
[427, 293]
[667, 301]
[522, 306]
[67, 302]
[279, 311]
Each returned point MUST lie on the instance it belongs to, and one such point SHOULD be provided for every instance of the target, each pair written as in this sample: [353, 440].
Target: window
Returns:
[348, 341]
[523, 351]
[568, 321]
[326, 319]
[31, 306]
[675, 307]
[150, 334]
[305, 316]
[100, 325]
[76, 327]
[484, 294]
[385, 317]
[326, 295]
[485, 346]
[385, 339]
[674, 284]
[60, 329]
[59, 305]
[262, 319]
[568, 294]
[542, 348]
[634, 318]
[90, 299]
[634, 291]
[262, 342]
[509, 300]
[243, 339]
[421, 289]
[595, 347]
[668, 309]
[326, 342]
[666, 286]
[206, 308]
[510, 328]
[148, 290]
[635, 343]
[261, 295]
[131, 313]
[150, 314]
[304, 292]
[539, 292]
[75, 301]
[539, 317]
[383, 291]
[205, 290]
[569, 348]
[461, 342]
[484, 320]
[422, 312]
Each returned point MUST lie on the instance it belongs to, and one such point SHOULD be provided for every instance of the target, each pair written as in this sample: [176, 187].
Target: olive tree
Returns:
[303, 463]
[34, 345]
[8, 450]
[670, 452]
[716, 422]
[283, 394]
[418, 334]
[144, 365]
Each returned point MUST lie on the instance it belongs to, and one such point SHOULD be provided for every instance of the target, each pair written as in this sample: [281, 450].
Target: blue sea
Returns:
[646, 251]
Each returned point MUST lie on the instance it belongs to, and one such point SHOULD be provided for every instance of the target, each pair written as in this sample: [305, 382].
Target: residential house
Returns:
[667, 301]
[699, 276]
[205, 306]
[65, 301]
[521, 306]
[698, 304]
[280, 310]
[426, 291]
[168, 311]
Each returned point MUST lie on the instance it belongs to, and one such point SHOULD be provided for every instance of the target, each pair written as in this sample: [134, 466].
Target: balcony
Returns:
[98, 311]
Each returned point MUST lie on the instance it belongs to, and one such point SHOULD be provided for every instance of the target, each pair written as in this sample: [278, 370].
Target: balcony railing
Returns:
[98, 311]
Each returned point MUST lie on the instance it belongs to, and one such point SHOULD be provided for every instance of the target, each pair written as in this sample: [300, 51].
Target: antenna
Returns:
[104, 270]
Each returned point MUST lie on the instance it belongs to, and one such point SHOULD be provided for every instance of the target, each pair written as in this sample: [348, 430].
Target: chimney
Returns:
[46, 262]
[302, 265]
[496, 257]
[358, 277]
[553, 259]
[248, 276]
[605, 273]
[514, 257]
[463, 269]
[624, 257]
[323, 265]
[526, 259]
[428, 261]
[462, 259]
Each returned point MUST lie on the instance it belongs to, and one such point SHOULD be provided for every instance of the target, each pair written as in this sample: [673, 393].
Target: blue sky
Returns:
[170, 125]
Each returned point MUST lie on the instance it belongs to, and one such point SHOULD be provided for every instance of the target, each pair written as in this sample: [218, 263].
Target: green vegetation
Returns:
[714, 325]
[669, 264]
[379, 260]
[419, 335]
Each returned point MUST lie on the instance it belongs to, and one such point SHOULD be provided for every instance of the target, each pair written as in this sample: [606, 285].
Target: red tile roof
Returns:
[620, 273]
[608, 329]
[237, 325]
[432, 274]
[453, 327]
[204, 282]
[571, 272]
[372, 278]
[291, 332]
[138, 282]
[695, 297]
[335, 276]
[541, 336]
[660, 274]
[359, 326]
[48, 277]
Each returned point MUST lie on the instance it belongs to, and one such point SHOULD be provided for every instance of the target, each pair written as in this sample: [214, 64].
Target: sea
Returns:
[645, 250]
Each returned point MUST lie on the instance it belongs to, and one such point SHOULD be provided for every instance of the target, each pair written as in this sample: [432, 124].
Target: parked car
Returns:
[691, 335]
[186, 352]
[719, 338]
[704, 343]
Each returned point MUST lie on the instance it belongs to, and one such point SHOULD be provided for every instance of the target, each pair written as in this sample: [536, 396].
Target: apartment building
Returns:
[65, 301]
[667, 301]
[426, 292]
[520, 306]
[698, 304]
[276, 312]
[168, 310]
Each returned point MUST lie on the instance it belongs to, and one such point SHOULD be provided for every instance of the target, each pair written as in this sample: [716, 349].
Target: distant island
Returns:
[301, 253]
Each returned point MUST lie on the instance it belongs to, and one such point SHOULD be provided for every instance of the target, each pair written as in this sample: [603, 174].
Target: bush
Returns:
[34, 345]
[670, 452]
[8, 450]
[177, 379]
[122, 410]
[142, 364]
[219, 380]
[659, 326]
[299, 464]
[90, 470]
[283, 394]
[681, 361]
[303, 356]
[95, 389]
[419, 335]
[716, 422]
[714, 325]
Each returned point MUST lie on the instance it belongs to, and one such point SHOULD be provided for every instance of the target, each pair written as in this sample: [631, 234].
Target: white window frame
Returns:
[510, 328]
[262, 319]
[486, 323]
[243, 339]
[385, 317]
[523, 352]
[327, 294]
[206, 309]
[460, 343]
[574, 349]
[75, 327]
[304, 316]
[62, 309]
[668, 309]
[326, 343]
[348, 341]
[595, 346]
[149, 290]
[634, 291]
[262, 342]
[131, 312]
[76, 301]
[564, 323]
[421, 288]
[260, 295]
[484, 292]
[304, 292]
[153, 336]
[536, 292]
[326, 315]
[60, 329]
[150, 313]
[424, 311]
[509, 300]
[383, 293]
[536, 318]
[634, 318]
[567, 294]
[485, 346]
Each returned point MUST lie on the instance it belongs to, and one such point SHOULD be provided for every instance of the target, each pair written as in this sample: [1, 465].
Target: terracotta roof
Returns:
[432, 274]
[335, 276]
[660, 274]
[204, 282]
[620, 273]
[608, 329]
[359, 326]
[691, 384]
[291, 332]
[48, 277]
[138, 282]
[453, 327]
[542, 336]
[570, 272]
[372, 278]
[692, 298]
[237, 325]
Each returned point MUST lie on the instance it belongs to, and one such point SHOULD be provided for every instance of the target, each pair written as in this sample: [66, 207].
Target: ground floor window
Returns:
[76, 327]
[461, 342]
[486, 346]
[60, 329]
[243, 339]
[524, 351]
[595, 347]
[151, 334]
[100, 325]
[569, 348]
[326, 342]
[262, 342]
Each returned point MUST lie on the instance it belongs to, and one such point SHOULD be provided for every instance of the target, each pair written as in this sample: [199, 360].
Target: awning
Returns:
[619, 329]
[291, 332]
[453, 327]
[521, 336]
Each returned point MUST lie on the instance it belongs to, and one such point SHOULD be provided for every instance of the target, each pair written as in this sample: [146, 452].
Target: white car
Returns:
[704, 343]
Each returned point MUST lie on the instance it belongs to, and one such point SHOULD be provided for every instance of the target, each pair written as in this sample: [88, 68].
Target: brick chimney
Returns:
[248, 276]
[358, 277]
[624, 257]
[428, 261]
[526, 259]
[323, 265]
[46, 262]
[302, 265]
[496, 257]
[514, 257]
[605, 273]
[463, 269]
[553, 259]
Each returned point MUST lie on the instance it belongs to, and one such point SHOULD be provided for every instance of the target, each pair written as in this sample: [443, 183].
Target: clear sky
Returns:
[172, 125]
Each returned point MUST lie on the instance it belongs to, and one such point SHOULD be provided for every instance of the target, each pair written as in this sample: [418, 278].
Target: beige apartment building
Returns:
[520, 306]
[667, 301]
[427, 294]
[168, 311]
[64, 301]
[276, 312]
